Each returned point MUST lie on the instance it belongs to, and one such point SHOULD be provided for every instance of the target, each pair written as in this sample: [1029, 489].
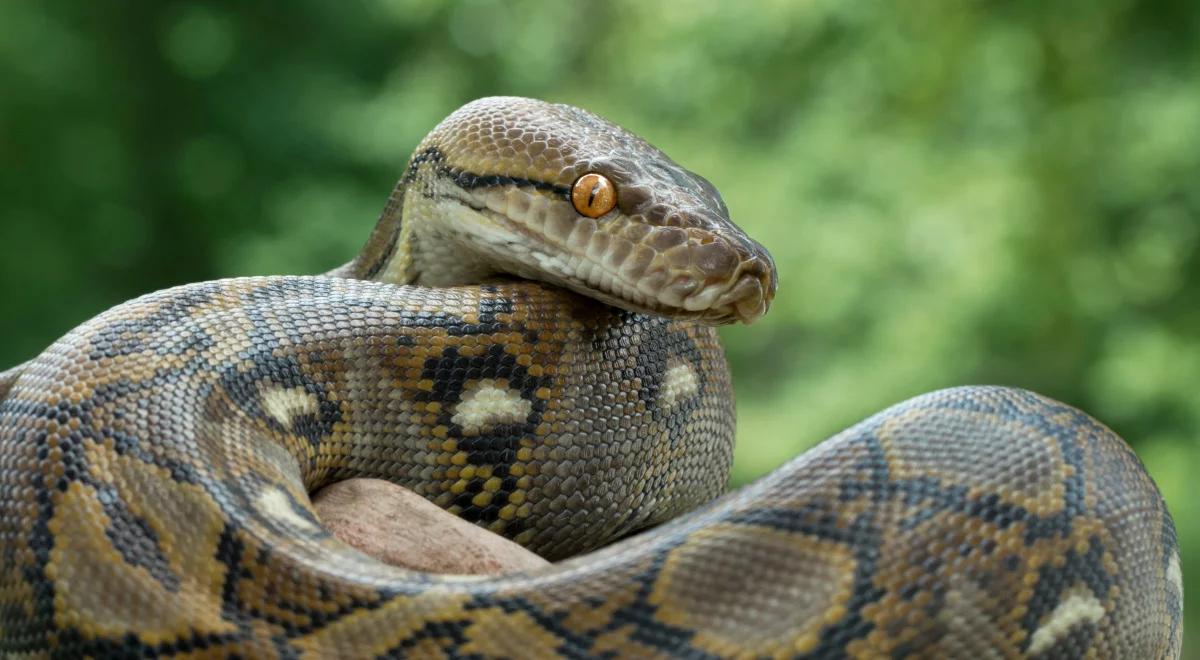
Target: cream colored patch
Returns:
[398, 266]
[1078, 608]
[679, 383]
[274, 503]
[973, 629]
[287, 403]
[1175, 574]
[489, 402]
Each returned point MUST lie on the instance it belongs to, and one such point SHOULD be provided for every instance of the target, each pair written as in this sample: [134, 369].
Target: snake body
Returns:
[155, 463]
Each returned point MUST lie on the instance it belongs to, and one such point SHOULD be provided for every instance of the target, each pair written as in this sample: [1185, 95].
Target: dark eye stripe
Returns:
[472, 181]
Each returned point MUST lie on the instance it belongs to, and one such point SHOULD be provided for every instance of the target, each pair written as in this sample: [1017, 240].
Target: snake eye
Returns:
[593, 195]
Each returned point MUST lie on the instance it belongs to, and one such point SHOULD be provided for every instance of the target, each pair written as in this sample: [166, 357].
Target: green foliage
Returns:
[955, 192]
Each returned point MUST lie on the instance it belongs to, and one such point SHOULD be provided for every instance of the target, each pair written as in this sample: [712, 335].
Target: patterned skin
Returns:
[155, 463]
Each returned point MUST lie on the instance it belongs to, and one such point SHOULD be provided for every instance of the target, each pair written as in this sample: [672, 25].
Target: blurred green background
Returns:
[955, 192]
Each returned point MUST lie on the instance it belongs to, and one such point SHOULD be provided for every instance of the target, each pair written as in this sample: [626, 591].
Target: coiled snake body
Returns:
[155, 463]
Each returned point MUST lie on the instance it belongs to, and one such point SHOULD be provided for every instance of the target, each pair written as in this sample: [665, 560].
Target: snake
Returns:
[529, 339]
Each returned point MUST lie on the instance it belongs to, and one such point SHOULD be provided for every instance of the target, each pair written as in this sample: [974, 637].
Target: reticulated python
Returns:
[155, 463]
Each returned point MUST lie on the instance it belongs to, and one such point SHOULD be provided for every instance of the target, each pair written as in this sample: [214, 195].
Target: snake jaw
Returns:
[667, 271]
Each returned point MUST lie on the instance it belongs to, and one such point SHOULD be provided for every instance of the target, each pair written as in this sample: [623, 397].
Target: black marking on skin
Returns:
[656, 341]
[866, 541]
[451, 371]
[1086, 568]
[497, 444]
[71, 644]
[988, 508]
[816, 519]
[30, 630]
[229, 550]
[133, 538]
[372, 271]
[257, 485]
[127, 336]
[573, 645]
[451, 634]
[930, 497]
[316, 619]
[283, 649]
[270, 371]
[671, 640]
[428, 155]
[489, 309]
[124, 442]
[271, 324]
[1070, 645]
[71, 451]
[471, 181]
[1036, 413]
[27, 633]
[426, 319]
[491, 306]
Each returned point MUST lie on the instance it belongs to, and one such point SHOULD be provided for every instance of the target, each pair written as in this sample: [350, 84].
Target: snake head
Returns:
[555, 193]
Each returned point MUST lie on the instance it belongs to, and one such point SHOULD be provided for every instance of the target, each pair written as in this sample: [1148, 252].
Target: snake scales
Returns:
[155, 463]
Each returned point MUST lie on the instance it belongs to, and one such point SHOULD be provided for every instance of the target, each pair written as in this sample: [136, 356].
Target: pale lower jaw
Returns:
[715, 305]
[655, 291]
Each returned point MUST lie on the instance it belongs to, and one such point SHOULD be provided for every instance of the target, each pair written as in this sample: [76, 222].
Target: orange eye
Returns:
[593, 195]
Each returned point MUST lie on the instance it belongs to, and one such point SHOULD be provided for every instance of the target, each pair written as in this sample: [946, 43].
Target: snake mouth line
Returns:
[741, 300]
[697, 276]
[676, 272]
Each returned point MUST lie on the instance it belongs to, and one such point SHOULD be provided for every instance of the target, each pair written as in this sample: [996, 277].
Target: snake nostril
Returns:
[765, 273]
[757, 261]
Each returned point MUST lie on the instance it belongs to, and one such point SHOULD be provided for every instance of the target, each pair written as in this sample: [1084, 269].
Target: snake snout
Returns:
[751, 288]
[718, 279]
[751, 296]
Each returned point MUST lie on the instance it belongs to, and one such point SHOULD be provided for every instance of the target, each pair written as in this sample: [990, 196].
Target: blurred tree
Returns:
[955, 192]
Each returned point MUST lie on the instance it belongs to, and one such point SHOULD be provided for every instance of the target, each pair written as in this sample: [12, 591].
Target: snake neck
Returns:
[408, 247]
[383, 257]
